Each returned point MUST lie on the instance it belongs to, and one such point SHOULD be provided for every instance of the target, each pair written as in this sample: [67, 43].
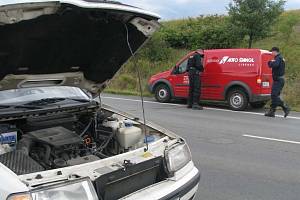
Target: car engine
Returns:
[42, 143]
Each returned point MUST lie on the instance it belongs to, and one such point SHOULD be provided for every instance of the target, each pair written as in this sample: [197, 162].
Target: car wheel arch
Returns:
[165, 82]
[237, 84]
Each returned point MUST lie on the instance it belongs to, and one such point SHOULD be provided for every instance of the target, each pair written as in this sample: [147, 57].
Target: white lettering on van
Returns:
[247, 60]
[227, 59]
[224, 60]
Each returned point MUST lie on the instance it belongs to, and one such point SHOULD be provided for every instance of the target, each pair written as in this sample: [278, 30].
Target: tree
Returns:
[253, 18]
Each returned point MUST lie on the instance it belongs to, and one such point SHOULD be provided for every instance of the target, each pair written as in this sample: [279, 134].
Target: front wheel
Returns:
[162, 93]
[237, 99]
[258, 104]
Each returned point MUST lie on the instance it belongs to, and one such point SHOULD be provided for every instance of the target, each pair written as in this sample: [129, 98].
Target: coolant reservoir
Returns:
[112, 123]
[129, 136]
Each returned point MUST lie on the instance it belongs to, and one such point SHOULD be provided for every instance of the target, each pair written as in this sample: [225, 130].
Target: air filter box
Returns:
[20, 163]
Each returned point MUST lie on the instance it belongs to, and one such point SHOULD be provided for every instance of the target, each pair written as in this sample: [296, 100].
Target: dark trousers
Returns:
[276, 91]
[194, 87]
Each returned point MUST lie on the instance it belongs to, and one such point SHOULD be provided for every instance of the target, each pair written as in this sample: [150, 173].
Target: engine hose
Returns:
[86, 128]
[47, 154]
[101, 155]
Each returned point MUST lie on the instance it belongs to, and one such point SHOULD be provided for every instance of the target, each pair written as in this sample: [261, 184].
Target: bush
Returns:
[156, 50]
[208, 32]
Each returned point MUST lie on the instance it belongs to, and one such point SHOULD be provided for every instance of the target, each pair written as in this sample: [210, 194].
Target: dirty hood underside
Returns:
[56, 43]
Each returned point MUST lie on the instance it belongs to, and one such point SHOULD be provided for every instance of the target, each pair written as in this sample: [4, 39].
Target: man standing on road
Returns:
[194, 68]
[278, 71]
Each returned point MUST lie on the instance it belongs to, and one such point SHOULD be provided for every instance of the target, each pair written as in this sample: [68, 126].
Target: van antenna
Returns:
[140, 86]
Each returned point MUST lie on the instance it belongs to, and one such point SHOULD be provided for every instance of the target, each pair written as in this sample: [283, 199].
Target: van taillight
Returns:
[258, 81]
[263, 83]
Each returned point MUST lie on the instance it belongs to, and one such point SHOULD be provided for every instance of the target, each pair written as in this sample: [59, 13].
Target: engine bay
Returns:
[46, 142]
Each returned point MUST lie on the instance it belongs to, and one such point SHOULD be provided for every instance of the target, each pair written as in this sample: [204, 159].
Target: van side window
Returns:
[182, 67]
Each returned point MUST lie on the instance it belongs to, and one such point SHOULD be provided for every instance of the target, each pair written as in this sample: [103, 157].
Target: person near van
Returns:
[278, 71]
[194, 68]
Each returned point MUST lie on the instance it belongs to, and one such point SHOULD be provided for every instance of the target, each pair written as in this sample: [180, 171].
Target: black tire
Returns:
[237, 99]
[162, 93]
[260, 104]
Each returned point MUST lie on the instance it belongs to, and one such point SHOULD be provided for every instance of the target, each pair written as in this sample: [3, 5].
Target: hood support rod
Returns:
[140, 86]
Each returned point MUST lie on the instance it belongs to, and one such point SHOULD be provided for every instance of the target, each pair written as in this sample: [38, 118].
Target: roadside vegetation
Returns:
[177, 37]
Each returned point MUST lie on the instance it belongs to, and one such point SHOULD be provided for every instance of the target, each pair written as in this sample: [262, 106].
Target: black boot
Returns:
[197, 107]
[189, 103]
[286, 111]
[270, 113]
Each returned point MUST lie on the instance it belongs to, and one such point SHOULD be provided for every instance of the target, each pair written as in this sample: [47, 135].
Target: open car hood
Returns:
[81, 43]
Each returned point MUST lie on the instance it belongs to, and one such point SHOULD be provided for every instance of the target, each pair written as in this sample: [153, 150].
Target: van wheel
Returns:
[162, 93]
[237, 99]
[258, 104]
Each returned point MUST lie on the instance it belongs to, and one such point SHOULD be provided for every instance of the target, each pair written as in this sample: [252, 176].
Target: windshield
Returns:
[17, 96]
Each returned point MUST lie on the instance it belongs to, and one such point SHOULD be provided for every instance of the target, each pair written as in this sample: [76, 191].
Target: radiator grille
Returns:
[117, 184]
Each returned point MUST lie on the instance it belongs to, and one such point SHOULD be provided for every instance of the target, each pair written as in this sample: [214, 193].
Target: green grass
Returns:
[286, 35]
[127, 92]
[158, 57]
[127, 79]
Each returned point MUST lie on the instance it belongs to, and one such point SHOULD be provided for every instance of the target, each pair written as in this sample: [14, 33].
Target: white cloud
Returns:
[170, 9]
[183, 1]
[157, 6]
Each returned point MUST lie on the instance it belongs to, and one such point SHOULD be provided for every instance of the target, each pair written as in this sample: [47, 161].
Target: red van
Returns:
[237, 76]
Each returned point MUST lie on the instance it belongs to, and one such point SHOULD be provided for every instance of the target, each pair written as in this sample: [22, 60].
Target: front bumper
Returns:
[184, 188]
[187, 191]
[260, 97]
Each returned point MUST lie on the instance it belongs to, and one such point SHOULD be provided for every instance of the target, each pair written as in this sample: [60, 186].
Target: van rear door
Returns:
[266, 73]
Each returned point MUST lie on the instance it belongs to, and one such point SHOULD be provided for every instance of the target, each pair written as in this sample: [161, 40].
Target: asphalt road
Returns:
[241, 155]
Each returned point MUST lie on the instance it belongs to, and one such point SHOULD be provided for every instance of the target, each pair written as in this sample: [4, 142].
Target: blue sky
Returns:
[172, 9]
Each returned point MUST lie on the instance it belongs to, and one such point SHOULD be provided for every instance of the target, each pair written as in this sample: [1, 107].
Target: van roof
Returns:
[245, 50]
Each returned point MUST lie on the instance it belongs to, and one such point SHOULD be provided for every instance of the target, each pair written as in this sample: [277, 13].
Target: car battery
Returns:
[8, 138]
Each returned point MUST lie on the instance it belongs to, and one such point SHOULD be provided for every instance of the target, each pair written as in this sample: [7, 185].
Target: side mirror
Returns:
[175, 69]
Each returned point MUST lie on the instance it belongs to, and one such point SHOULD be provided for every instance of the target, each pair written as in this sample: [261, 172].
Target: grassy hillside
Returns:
[286, 35]
[159, 55]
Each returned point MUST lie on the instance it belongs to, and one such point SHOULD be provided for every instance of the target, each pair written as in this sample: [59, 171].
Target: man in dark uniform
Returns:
[195, 67]
[278, 71]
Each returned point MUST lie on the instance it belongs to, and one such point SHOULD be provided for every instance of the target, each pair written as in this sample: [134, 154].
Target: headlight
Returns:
[75, 190]
[177, 157]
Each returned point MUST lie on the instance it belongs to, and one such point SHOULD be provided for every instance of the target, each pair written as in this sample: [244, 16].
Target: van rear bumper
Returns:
[260, 97]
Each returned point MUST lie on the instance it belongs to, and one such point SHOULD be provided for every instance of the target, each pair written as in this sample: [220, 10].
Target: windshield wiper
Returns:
[19, 106]
[4, 106]
[47, 101]
[38, 104]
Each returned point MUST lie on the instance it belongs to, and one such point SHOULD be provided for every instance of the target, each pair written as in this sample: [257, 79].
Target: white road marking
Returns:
[272, 139]
[208, 108]
[136, 100]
